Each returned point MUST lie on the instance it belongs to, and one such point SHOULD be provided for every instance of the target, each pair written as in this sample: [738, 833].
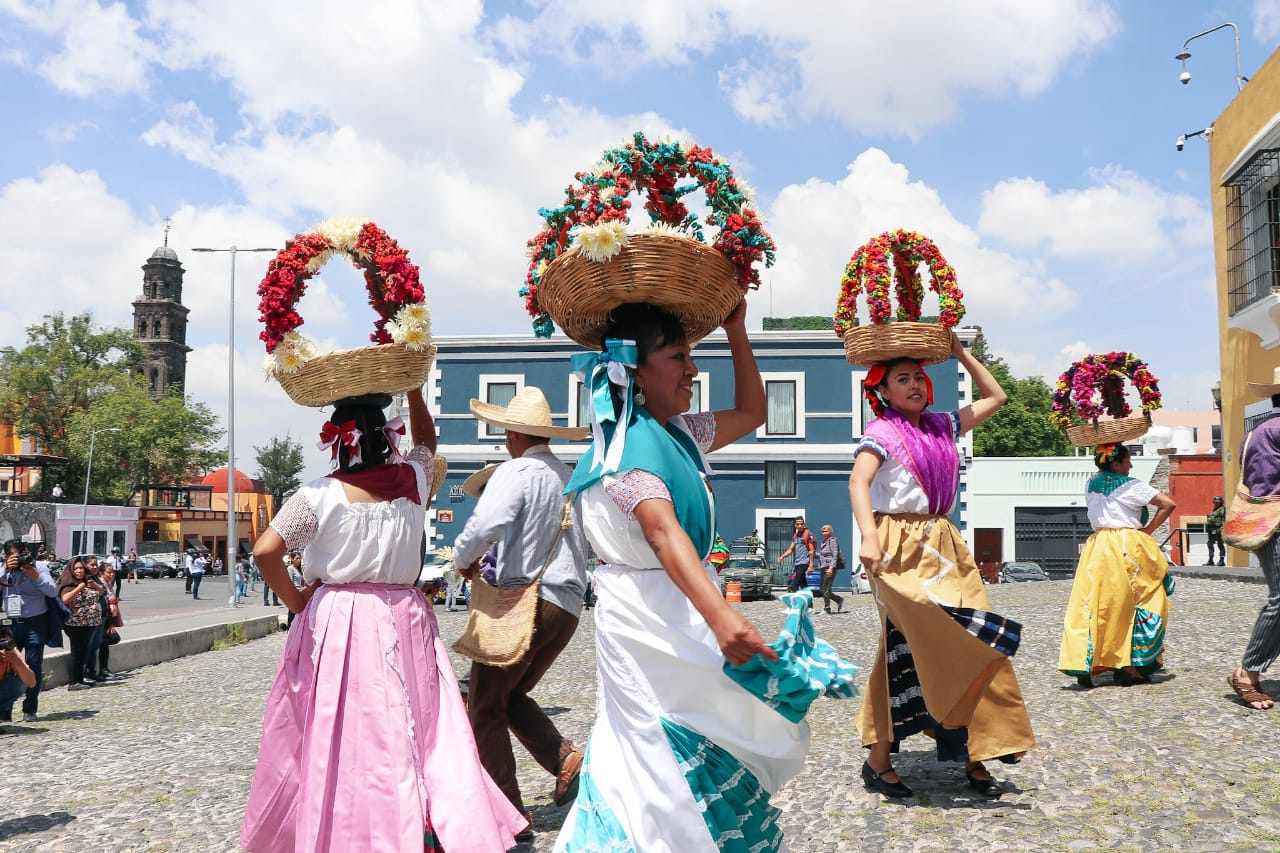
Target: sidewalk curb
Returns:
[1245, 574]
[145, 651]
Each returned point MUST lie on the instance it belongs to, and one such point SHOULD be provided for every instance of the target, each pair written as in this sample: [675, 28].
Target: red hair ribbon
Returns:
[394, 431]
[876, 375]
[332, 436]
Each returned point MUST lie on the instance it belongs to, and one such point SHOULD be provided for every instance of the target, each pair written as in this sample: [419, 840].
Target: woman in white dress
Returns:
[681, 757]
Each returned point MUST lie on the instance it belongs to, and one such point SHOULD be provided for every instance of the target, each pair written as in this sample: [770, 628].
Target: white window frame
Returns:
[856, 425]
[796, 377]
[487, 379]
[702, 388]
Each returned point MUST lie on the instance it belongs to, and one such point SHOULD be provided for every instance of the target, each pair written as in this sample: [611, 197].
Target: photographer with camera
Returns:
[15, 676]
[29, 607]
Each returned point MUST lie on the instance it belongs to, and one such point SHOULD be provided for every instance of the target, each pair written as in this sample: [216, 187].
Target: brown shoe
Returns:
[567, 778]
[526, 835]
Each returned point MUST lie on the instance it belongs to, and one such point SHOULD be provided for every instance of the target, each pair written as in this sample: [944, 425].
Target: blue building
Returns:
[797, 463]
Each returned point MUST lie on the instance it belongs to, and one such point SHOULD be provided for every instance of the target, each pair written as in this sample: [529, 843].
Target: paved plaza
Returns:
[162, 760]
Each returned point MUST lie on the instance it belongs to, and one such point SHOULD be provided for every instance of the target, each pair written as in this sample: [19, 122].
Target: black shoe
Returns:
[984, 787]
[1085, 681]
[873, 780]
[1124, 679]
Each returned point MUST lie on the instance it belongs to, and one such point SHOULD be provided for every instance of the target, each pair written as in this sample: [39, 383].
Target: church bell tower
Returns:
[160, 320]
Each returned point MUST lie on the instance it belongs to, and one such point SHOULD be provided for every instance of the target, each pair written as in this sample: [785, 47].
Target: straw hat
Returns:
[1261, 389]
[439, 470]
[474, 485]
[528, 413]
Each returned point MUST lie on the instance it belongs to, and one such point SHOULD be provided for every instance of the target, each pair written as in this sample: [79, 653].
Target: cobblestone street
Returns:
[162, 760]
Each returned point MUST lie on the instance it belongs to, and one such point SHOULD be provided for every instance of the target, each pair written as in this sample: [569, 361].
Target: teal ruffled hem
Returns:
[595, 827]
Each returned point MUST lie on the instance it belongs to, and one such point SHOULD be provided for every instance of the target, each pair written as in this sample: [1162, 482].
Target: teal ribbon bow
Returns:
[599, 370]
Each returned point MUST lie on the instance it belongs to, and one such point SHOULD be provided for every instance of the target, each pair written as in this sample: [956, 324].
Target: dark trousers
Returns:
[799, 578]
[824, 590]
[498, 701]
[80, 636]
[1215, 539]
[104, 655]
[29, 637]
[1264, 642]
[96, 642]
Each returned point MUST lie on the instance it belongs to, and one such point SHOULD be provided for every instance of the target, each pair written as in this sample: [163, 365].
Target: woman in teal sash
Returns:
[681, 757]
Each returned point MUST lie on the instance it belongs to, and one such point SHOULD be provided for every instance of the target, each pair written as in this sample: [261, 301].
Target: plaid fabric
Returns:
[906, 700]
[1003, 635]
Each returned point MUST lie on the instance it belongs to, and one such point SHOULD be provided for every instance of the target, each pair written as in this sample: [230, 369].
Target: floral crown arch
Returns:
[585, 261]
[1095, 385]
[402, 353]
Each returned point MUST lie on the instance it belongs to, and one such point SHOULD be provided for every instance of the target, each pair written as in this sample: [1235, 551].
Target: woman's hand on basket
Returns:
[739, 640]
[737, 318]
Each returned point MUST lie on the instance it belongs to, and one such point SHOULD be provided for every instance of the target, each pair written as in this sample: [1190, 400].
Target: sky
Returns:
[1034, 142]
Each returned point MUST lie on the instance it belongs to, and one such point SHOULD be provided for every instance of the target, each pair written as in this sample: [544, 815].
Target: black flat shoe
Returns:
[875, 782]
[984, 787]
[1124, 679]
[1085, 681]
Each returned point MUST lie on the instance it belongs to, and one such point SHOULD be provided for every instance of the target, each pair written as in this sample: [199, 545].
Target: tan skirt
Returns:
[963, 680]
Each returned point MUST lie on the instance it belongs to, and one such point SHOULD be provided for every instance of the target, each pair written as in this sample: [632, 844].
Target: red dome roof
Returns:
[218, 479]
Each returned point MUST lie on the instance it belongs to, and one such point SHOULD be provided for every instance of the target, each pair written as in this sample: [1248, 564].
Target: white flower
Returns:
[392, 328]
[314, 265]
[414, 312]
[748, 192]
[286, 360]
[415, 338]
[601, 242]
[342, 232]
[606, 193]
[601, 168]
[665, 229]
[299, 343]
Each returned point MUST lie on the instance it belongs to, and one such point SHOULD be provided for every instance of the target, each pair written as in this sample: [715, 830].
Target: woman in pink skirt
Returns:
[365, 742]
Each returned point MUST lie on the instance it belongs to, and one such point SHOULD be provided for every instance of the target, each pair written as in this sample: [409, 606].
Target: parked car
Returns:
[1022, 570]
[861, 583]
[149, 567]
[752, 572]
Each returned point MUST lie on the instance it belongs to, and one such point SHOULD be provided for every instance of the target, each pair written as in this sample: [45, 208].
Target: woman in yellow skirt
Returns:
[943, 666]
[1120, 597]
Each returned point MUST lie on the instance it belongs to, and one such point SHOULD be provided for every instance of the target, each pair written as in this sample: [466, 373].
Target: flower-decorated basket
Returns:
[1094, 386]
[585, 262]
[402, 353]
[903, 336]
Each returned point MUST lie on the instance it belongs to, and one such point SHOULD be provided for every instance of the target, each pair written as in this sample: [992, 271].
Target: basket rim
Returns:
[584, 321]
[316, 384]
[1113, 430]
[927, 353]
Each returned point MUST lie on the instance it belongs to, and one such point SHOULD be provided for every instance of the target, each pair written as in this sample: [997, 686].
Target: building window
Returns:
[779, 479]
[581, 402]
[150, 531]
[1253, 230]
[784, 395]
[700, 402]
[499, 390]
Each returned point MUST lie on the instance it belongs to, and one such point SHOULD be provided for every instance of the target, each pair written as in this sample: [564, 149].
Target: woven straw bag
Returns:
[500, 621]
[1251, 522]
[928, 343]
[1115, 431]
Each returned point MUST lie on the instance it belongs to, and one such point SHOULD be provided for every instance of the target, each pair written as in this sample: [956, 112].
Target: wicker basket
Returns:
[1115, 431]
[382, 369]
[688, 278]
[868, 346]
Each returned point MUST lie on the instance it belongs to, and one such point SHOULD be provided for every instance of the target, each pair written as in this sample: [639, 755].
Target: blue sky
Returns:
[1033, 141]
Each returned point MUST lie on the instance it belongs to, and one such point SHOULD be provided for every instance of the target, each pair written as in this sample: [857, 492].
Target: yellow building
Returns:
[22, 464]
[1244, 162]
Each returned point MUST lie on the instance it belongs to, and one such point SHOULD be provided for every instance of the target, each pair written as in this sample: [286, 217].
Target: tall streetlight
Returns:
[233, 539]
[88, 475]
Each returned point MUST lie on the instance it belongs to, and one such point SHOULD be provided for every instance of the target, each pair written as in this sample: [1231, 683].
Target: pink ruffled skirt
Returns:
[365, 742]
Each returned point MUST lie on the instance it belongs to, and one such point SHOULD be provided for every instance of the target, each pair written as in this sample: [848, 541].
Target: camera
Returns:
[6, 636]
[25, 558]
[1185, 77]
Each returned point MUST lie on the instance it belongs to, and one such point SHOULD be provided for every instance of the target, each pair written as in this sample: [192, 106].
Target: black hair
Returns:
[1120, 454]
[892, 363]
[369, 418]
[648, 325]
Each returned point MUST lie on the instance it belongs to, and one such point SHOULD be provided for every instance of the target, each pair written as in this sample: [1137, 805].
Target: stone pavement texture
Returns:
[162, 761]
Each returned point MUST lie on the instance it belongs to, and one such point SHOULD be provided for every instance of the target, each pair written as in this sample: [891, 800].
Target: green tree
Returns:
[1022, 426]
[279, 464]
[72, 379]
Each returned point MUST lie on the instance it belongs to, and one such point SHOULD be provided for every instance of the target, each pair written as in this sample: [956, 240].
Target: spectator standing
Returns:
[15, 675]
[100, 665]
[242, 580]
[1213, 526]
[266, 589]
[217, 566]
[80, 594]
[828, 564]
[95, 568]
[296, 577]
[133, 565]
[29, 593]
[197, 574]
[116, 562]
[802, 550]
[57, 491]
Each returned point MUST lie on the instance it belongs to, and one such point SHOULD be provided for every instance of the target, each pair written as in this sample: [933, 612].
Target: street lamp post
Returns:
[233, 542]
[88, 475]
[1182, 57]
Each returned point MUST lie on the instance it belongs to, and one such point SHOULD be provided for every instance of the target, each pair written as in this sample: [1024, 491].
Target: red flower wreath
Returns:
[869, 269]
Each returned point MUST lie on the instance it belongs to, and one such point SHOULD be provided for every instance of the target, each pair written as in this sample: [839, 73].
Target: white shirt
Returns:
[520, 509]
[197, 566]
[1121, 508]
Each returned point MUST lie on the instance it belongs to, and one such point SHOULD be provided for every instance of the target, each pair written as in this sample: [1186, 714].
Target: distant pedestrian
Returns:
[1260, 475]
[830, 561]
[1213, 527]
[266, 588]
[242, 581]
[80, 595]
[197, 574]
[57, 491]
[801, 551]
[132, 565]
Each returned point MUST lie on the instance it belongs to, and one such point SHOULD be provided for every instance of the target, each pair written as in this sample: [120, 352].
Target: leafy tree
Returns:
[72, 379]
[279, 464]
[1022, 426]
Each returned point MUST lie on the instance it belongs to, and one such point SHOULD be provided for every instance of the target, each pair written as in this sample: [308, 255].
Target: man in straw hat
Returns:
[1260, 474]
[520, 508]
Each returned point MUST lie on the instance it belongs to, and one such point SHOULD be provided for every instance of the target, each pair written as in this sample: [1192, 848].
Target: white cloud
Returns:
[1120, 216]
[874, 67]
[99, 47]
[1266, 21]
[68, 131]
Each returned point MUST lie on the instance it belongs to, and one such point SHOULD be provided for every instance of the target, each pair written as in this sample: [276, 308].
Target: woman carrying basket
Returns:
[949, 675]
